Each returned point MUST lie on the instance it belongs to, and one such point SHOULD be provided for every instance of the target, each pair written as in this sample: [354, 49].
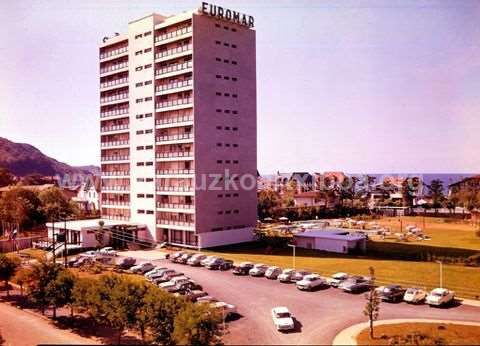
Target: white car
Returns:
[173, 281]
[286, 275]
[310, 282]
[142, 267]
[196, 259]
[440, 296]
[282, 319]
[258, 270]
[228, 309]
[108, 251]
[336, 279]
[414, 295]
[273, 272]
[154, 271]
[207, 260]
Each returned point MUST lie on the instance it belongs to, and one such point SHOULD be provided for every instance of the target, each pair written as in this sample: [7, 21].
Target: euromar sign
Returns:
[226, 14]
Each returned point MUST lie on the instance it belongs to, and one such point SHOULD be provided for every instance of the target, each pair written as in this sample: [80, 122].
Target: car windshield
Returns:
[411, 291]
[438, 294]
[283, 314]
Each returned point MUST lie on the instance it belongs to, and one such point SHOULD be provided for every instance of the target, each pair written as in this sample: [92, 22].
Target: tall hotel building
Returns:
[178, 113]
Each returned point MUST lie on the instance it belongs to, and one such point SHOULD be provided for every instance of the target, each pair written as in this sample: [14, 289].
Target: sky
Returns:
[357, 86]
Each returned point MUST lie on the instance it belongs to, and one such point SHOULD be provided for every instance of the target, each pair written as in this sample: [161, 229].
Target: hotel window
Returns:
[140, 148]
[138, 52]
[226, 61]
[234, 30]
[148, 66]
[220, 212]
[147, 50]
[234, 62]
[235, 128]
[148, 33]
[140, 164]
[227, 195]
[148, 82]
[219, 144]
[139, 68]
[139, 116]
[149, 163]
[217, 42]
[219, 196]
[226, 44]
[140, 132]
[150, 212]
[219, 127]
[235, 211]
[149, 131]
[147, 99]
[218, 93]
[141, 211]
[148, 147]
[235, 161]
[235, 195]
[234, 79]
[149, 195]
[149, 179]
[234, 95]
[148, 115]
[235, 112]
[140, 180]
[219, 110]
[227, 128]
[139, 101]
[217, 25]
[138, 84]
[225, 27]
[140, 195]
[227, 145]
[226, 94]
[218, 76]
[219, 161]
[218, 59]
[226, 77]
[227, 111]
[228, 211]
[235, 145]
[138, 36]
[234, 46]
[227, 161]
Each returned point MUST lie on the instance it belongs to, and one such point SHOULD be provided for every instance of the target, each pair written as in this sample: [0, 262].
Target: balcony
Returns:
[173, 154]
[174, 171]
[114, 52]
[115, 203]
[113, 82]
[114, 67]
[114, 143]
[176, 223]
[173, 103]
[175, 206]
[115, 173]
[177, 137]
[173, 34]
[116, 158]
[174, 68]
[114, 112]
[173, 51]
[114, 128]
[175, 188]
[115, 188]
[174, 120]
[174, 85]
[117, 97]
[116, 217]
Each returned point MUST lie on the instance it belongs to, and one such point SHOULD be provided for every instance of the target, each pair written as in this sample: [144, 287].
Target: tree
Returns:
[436, 192]
[8, 266]
[268, 200]
[99, 233]
[54, 203]
[6, 178]
[59, 290]
[372, 307]
[22, 206]
[39, 283]
[197, 325]
[409, 190]
[21, 278]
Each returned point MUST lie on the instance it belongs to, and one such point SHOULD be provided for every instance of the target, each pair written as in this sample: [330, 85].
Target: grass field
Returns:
[423, 333]
[444, 232]
[464, 280]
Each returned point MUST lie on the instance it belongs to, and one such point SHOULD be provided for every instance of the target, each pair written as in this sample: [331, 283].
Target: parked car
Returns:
[104, 259]
[83, 261]
[286, 275]
[439, 297]
[207, 259]
[355, 284]
[392, 293]
[282, 319]
[154, 271]
[206, 298]
[258, 269]
[273, 272]
[126, 262]
[227, 309]
[311, 282]
[71, 261]
[414, 295]
[184, 258]
[219, 263]
[336, 279]
[108, 251]
[173, 257]
[299, 274]
[153, 277]
[173, 282]
[196, 259]
[184, 286]
[195, 294]
[242, 268]
[167, 276]
[142, 268]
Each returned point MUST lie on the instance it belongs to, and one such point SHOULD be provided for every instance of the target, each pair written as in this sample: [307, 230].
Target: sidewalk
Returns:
[348, 336]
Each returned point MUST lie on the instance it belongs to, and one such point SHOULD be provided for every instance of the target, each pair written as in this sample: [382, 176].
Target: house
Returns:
[332, 240]
[88, 196]
[467, 184]
[308, 199]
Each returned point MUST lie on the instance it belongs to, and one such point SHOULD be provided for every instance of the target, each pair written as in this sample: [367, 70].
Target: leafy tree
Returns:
[8, 266]
[268, 200]
[197, 325]
[54, 203]
[21, 278]
[39, 283]
[6, 178]
[100, 233]
[59, 290]
[372, 307]
[410, 188]
[22, 206]
[436, 192]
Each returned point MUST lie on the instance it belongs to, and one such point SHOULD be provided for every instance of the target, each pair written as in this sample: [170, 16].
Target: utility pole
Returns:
[293, 246]
[441, 273]
[65, 241]
[53, 237]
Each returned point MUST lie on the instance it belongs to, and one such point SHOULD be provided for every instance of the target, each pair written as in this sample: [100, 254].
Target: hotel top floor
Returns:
[167, 28]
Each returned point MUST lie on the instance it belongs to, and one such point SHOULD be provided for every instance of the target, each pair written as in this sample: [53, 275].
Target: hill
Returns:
[22, 159]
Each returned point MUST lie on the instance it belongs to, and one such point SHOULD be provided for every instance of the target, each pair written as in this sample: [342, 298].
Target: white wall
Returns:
[219, 238]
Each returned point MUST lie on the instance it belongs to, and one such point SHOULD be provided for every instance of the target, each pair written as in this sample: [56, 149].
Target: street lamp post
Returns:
[441, 273]
[293, 246]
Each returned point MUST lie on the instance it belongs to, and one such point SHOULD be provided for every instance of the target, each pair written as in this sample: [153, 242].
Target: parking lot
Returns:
[319, 315]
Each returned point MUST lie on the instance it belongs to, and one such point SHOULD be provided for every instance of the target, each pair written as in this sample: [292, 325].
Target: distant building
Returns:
[308, 199]
[88, 196]
[338, 241]
[467, 184]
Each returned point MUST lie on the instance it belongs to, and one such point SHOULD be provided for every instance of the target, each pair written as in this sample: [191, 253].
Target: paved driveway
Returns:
[320, 315]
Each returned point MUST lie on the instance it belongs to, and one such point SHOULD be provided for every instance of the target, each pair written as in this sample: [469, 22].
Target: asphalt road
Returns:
[319, 315]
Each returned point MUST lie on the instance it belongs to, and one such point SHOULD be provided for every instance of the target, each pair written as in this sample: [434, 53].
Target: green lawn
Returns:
[464, 280]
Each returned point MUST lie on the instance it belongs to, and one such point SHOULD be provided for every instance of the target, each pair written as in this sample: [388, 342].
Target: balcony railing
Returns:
[115, 173]
[114, 128]
[170, 154]
[173, 51]
[109, 202]
[175, 205]
[118, 111]
[174, 120]
[116, 217]
[175, 188]
[114, 82]
[173, 34]
[177, 102]
[116, 188]
[116, 97]
[113, 52]
[173, 68]
[174, 171]
[174, 137]
[114, 143]
[114, 67]
[174, 85]
[176, 223]
[116, 158]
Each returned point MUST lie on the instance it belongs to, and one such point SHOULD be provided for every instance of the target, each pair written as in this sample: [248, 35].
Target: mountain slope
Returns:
[22, 159]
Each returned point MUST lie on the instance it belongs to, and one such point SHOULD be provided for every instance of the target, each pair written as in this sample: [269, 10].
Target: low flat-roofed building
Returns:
[338, 241]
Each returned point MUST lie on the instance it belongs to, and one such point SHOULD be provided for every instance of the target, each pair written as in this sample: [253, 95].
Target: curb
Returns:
[348, 336]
